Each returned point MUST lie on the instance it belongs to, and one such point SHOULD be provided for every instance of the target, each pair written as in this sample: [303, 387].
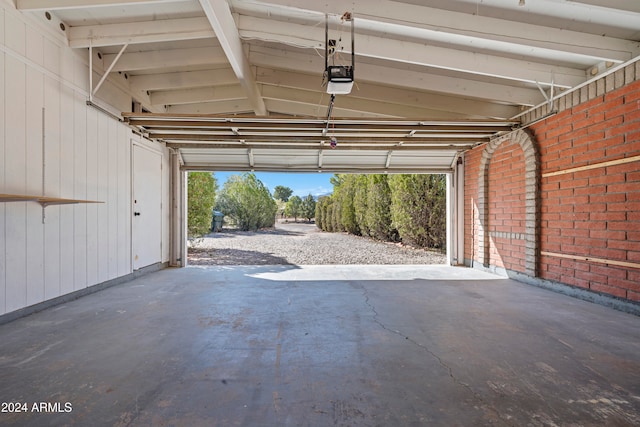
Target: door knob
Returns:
[136, 214]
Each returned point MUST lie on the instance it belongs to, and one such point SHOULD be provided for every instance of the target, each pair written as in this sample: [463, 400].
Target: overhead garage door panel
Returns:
[211, 142]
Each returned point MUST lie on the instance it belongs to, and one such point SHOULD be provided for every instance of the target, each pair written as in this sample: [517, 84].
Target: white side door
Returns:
[147, 207]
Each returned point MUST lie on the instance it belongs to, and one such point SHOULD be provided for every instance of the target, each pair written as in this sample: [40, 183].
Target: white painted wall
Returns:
[53, 144]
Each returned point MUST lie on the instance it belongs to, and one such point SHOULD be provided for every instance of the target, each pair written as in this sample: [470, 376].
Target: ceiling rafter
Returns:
[394, 97]
[70, 4]
[379, 47]
[473, 23]
[629, 5]
[232, 106]
[293, 108]
[392, 107]
[184, 79]
[224, 26]
[162, 30]
[197, 95]
[151, 60]
[237, 59]
[276, 60]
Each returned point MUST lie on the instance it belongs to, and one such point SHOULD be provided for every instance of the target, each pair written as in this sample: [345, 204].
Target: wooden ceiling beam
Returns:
[224, 26]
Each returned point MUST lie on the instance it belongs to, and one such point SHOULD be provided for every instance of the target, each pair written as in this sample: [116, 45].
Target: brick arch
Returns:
[532, 210]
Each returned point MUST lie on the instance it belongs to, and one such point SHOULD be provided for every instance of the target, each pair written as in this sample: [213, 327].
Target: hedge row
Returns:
[396, 208]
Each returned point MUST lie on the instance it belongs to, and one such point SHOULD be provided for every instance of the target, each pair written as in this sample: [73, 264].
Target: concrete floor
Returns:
[323, 346]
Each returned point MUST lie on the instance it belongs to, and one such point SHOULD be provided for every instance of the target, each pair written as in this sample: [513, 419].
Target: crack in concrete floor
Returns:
[477, 396]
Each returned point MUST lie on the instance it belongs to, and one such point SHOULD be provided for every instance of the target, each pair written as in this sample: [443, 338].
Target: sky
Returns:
[302, 184]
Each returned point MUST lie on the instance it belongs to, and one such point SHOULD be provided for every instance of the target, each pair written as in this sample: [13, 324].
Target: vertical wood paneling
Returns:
[68, 65]
[15, 181]
[124, 201]
[80, 191]
[15, 36]
[166, 212]
[81, 73]
[103, 194]
[51, 57]
[3, 239]
[33, 162]
[67, 145]
[66, 162]
[112, 199]
[85, 155]
[2, 29]
[33, 130]
[15, 150]
[52, 133]
[92, 194]
[34, 43]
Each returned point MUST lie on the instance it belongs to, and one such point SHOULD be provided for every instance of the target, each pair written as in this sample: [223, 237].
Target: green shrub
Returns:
[407, 208]
[378, 215]
[360, 203]
[418, 209]
[201, 195]
[345, 210]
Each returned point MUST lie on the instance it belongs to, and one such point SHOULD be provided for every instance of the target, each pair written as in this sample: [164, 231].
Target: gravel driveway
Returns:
[302, 244]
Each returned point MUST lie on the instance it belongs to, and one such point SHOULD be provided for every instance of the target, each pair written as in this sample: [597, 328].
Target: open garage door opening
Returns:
[318, 219]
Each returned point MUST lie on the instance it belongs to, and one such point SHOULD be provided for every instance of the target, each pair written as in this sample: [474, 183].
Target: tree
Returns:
[418, 209]
[337, 180]
[282, 193]
[360, 202]
[345, 210]
[321, 212]
[281, 206]
[308, 208]
[407, 208]
[246, 200]
[378, 215]
[294, 207]
[330, 219]
[201, 194]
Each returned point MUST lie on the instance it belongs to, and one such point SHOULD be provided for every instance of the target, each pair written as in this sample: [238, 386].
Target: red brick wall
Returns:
[506, 207]
[596, 212]
[592, 213]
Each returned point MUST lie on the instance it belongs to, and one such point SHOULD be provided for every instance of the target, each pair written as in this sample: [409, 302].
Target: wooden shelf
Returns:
[43, 200]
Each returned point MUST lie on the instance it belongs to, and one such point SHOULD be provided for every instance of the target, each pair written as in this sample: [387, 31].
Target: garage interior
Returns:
[530, 107]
